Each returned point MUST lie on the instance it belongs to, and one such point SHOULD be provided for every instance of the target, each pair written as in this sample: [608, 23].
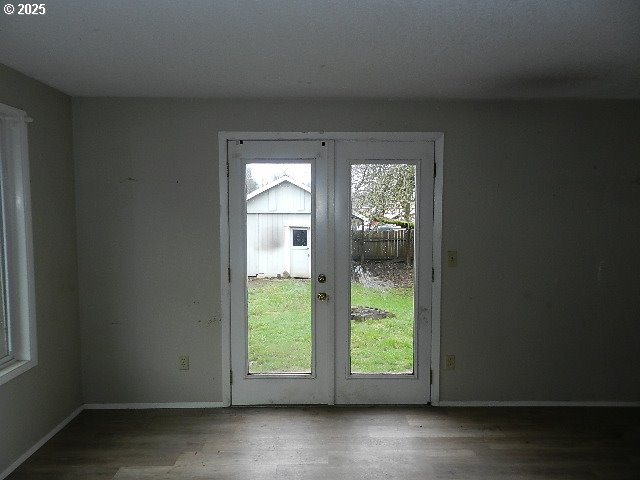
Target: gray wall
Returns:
[36, 401]
[541, 201]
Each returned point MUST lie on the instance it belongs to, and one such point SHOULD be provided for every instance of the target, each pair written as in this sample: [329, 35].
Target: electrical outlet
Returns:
[183, 362]
[449, 362]
[452, 258]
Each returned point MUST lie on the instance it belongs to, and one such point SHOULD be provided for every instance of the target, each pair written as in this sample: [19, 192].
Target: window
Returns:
[299, 238]
[17, 311]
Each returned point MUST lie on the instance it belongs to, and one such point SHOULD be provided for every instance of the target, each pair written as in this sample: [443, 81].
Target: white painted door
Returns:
[383, 297]
[299, 242]
[281, 334]
[359, 330]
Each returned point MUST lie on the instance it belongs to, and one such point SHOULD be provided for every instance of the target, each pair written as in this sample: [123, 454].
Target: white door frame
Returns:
[225, 313]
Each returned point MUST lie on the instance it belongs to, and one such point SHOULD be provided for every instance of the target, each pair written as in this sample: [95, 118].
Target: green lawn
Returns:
[280, 328]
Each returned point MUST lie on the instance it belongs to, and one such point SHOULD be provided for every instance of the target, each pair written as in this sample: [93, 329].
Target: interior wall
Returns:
[33, 403]
[541, 201]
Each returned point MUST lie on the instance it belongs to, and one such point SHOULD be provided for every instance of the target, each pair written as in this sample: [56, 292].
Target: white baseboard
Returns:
[508, 403]
[142, 406]
[40, 443]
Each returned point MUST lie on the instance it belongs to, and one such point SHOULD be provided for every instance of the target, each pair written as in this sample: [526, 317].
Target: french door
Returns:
[331, 271]
[281, 335]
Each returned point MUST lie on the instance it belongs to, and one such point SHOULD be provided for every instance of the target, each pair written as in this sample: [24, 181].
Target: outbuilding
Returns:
[279, 230]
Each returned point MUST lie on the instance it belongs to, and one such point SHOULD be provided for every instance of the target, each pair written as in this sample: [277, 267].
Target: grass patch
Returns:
[280, 328]
[383, 345]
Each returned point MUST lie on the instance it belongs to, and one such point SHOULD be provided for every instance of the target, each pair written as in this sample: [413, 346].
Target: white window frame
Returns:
[18, 244]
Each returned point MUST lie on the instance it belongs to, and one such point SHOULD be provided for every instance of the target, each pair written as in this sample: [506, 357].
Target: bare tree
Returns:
[249, 182]
[384, 192]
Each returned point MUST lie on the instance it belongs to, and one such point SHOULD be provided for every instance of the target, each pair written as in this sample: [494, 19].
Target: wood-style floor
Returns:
[344, 443]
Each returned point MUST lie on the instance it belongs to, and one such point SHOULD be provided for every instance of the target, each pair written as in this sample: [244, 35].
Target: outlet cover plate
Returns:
[183, 362]
[449, 362]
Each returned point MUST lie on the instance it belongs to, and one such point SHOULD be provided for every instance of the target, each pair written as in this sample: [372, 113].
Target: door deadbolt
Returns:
[322, 278]
[322, 296]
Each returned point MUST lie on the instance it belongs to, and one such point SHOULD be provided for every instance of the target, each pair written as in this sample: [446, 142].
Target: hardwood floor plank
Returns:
[254, 457]
[344, 443]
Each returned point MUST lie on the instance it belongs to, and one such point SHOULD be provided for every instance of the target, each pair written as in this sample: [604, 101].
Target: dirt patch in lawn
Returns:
[360, 314]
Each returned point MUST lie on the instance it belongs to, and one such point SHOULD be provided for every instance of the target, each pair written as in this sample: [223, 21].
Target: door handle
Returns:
[322, 296]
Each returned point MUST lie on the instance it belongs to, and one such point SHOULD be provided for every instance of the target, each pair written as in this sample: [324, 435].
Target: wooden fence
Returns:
[387, 245]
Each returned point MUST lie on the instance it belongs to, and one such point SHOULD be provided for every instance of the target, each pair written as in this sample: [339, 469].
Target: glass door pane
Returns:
[279, 302]
[382, 318]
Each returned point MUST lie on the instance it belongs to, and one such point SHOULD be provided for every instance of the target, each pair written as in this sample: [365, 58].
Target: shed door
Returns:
[299, 244]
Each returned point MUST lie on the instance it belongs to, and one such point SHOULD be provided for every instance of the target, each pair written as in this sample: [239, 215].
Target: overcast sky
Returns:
[264, 173]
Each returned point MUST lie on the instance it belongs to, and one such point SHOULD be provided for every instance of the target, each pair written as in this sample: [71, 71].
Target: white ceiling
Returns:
[330, 48]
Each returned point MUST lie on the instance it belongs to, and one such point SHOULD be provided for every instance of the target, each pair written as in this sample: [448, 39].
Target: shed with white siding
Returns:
[279, 230]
